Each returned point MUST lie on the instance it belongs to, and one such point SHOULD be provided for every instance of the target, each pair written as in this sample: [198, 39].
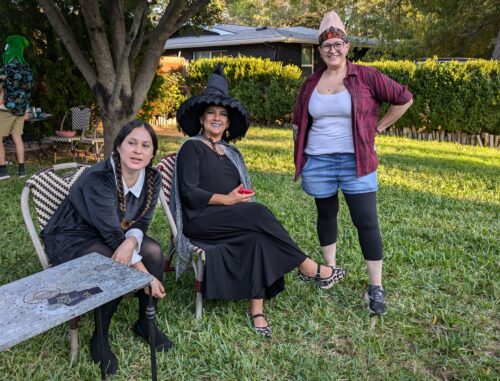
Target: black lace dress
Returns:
[248, 251]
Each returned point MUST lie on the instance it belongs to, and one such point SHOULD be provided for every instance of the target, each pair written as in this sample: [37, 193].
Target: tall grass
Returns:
[439, 209]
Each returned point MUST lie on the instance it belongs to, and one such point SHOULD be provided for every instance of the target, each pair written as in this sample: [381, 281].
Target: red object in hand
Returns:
[245, 191]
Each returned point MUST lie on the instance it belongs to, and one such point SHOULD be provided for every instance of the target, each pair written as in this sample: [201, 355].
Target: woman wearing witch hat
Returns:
[248, 251]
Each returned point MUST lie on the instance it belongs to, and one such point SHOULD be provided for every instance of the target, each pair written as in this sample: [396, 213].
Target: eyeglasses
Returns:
[325, 48]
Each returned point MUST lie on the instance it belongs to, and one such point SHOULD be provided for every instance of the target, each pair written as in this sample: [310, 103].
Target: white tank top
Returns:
[331, 130]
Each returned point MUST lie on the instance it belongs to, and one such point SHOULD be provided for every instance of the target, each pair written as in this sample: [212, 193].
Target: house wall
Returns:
[287, 53]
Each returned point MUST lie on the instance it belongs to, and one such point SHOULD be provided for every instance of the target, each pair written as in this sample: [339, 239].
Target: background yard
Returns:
[439, 208]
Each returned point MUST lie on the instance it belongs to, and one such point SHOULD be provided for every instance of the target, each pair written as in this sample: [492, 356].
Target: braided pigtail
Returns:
[121, 197]
[149, 191]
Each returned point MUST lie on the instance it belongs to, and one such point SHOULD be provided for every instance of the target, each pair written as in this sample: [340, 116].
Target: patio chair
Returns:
[166, 168]
[95, 144]
[48, 188]
[80, 121]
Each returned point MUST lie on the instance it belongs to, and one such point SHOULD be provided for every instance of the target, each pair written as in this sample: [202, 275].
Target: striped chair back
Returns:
[49, 189]
[166, 169]
[80, 118]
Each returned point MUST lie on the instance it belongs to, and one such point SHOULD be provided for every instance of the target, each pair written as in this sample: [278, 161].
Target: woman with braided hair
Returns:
[108, 211]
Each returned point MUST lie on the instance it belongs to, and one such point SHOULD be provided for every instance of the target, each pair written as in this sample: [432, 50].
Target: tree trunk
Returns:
[119, 82]
[496, 51]
[111, 126]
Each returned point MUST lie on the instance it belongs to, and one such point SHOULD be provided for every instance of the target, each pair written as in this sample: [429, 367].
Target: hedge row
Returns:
[267, 88]
[166, 94]
[448, 96]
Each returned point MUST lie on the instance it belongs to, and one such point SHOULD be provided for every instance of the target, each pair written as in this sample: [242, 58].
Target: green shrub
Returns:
[166, 94]
[449, 96]
[267, 88]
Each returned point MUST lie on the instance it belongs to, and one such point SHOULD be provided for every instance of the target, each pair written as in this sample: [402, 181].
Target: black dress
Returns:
[248, 251]
[90, 215]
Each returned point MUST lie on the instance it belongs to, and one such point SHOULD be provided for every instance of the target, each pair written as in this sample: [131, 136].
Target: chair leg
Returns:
[168, 260]
[199, 295]
[54, 147]
[74, 340]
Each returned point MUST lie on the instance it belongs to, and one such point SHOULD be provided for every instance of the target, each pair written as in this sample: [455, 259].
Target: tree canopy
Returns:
[100, 52]
[404, 28]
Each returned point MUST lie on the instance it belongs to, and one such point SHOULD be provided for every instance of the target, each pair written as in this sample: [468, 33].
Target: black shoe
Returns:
[21, 172]
[375, 297]
[264, 331]
[109, 358]
[162, 342]
[4, 175]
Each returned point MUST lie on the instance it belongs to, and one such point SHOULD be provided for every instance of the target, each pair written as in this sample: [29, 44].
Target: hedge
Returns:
[166, 94]
[449, 96]
[267, 88]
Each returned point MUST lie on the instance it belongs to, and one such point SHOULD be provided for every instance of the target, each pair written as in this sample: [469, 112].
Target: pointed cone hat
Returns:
[216, 93]
[331, 26]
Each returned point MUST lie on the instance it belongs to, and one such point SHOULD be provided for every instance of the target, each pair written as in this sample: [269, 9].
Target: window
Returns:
[307, 59]
[208, 54]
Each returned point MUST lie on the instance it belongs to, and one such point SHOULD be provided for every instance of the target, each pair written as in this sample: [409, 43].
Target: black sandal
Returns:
[324, 283]
[264, 331]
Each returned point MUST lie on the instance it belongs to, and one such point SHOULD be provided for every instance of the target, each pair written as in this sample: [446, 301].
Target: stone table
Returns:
[44, 300]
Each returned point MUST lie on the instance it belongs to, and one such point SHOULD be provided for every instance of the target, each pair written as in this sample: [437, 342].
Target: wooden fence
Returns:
[483, 140]
[162, 120]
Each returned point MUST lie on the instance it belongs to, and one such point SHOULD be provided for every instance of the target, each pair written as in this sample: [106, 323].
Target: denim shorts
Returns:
[323, 175]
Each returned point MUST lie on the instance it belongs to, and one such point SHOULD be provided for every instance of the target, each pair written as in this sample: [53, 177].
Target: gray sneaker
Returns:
[375, 297]
[4, 175]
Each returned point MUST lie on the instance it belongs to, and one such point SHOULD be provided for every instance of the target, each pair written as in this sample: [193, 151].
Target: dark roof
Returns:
[230, 35]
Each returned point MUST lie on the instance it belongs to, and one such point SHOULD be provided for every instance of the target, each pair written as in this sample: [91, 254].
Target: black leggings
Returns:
[152, 258]
[363, 210]
[151, 254]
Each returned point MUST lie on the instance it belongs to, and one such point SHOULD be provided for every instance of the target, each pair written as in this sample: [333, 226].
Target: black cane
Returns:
[150, 313]
[100, 341]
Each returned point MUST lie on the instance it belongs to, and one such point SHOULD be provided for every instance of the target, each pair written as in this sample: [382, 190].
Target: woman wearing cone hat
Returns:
[335, 120]
[248, 251]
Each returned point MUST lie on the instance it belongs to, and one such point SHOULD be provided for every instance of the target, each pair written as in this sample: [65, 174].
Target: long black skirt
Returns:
[247, 249]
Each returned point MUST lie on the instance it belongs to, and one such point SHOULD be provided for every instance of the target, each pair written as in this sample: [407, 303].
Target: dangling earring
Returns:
[227, 133]
[202, 130]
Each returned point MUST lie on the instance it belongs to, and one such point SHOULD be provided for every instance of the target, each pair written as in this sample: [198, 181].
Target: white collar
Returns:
[136, 189]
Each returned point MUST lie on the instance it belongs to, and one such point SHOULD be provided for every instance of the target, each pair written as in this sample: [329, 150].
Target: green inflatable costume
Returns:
[15, 49]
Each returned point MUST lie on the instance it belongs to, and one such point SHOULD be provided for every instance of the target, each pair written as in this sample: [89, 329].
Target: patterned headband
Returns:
[332, 32]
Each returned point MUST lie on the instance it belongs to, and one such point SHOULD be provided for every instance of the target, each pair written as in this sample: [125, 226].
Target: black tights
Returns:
[363, 210]
[152, 258]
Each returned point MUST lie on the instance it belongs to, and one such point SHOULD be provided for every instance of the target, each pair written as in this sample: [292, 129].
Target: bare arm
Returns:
[392, 116]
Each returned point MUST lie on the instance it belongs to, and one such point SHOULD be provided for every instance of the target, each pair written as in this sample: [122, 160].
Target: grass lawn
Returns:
[439, 209]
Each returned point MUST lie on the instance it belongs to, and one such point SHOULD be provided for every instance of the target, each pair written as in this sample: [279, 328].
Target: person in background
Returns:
[16, 78]
[335, 120]
[108, 211]
[247, 250]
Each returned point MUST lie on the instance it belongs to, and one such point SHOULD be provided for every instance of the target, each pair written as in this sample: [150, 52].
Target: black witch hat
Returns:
[216, 93]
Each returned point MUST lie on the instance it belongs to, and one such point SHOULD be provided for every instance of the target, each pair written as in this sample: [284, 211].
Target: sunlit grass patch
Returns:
[439, 211]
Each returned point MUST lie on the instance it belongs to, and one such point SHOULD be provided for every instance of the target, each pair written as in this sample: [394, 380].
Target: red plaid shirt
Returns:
[369, 88]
